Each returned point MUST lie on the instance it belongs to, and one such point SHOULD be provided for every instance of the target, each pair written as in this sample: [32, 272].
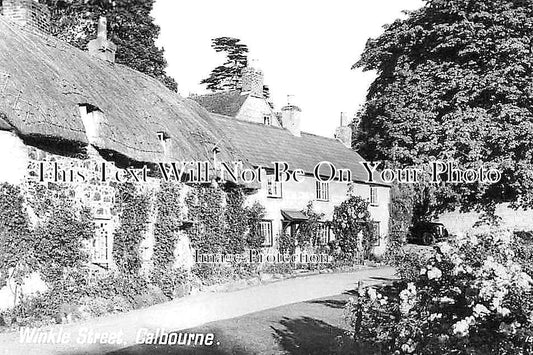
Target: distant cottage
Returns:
[265, 136]
[58, 103]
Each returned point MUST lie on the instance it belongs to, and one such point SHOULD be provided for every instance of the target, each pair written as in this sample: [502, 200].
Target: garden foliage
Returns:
[352, 229]
[471, 296]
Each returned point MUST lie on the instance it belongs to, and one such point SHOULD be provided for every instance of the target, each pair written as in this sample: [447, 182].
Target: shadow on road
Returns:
[311, 336]
[330, 303]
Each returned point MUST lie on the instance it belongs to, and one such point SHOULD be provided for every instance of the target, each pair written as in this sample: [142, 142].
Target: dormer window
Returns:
[266, 120]
[164, 139]
[163, 136]
[92, 118]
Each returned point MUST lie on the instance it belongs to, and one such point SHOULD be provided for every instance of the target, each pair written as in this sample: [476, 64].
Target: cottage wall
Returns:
[296, 196]
[254, 109]
[18, 160]
[13, 157]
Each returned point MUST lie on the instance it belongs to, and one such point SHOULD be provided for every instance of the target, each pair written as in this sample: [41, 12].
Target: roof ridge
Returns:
[229, 118]
[217, 93]
[220, 116]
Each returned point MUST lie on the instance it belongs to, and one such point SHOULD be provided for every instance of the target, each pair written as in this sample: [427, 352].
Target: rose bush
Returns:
[472, 296]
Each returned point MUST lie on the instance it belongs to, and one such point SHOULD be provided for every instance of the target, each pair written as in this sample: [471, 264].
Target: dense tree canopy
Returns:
[131, 28]
[455, 82]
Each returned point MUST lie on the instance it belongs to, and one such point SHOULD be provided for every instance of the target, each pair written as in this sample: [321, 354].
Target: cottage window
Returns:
[274, 188]
[375, 232]
[100, 244]
[323, 234]
[265, 229]
[322, 191]
[373, 196]
[267, 121]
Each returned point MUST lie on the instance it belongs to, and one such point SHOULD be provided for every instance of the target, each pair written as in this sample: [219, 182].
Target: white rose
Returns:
[480, 310]
[434, 273]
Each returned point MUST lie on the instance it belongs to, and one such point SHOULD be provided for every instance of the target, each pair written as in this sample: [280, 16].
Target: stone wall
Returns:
[457, 222]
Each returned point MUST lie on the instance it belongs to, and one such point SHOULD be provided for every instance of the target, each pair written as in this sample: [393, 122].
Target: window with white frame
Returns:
[373, 196]
[273, 187]
[265, 229]
[100, 244]
[322, 191]
[323, 233]
[266, 120]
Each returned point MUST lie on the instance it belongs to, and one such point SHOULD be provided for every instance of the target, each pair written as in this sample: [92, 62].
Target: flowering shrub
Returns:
[470, 297]
[351, 226]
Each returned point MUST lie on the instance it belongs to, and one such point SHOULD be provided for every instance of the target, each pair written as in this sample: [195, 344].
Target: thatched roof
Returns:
[44, 80]
[262, 145]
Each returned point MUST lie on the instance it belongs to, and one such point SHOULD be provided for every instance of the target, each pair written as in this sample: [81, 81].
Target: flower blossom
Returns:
[480, 310]
[462, 327]
[434, 273]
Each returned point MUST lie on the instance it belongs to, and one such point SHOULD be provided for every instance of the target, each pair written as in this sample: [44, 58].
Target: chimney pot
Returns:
[344, 132]
[291, 117]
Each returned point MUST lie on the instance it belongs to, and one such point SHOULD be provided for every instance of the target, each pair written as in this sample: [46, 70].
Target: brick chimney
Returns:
[101, 47]
[290, 117]
[344, 132]
[252, 81]
[27, 13]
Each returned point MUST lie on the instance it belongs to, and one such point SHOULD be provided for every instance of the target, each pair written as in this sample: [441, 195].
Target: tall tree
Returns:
[228, 75]
[131, 28]
[455, 81]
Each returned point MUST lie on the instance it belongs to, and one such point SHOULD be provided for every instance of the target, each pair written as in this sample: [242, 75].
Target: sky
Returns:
[305, 48]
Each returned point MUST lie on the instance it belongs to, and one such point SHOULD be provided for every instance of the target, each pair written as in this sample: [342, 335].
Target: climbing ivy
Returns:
[350, 219]
[16, 242]
[205, 208]
[241, 223]
[59, 240]
[168, 221]
[222, 221]
[254, 213]
[134, 208]
[308, 235]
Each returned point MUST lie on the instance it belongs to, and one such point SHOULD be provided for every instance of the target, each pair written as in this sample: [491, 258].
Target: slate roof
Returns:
[43, 80]
[262, 145]
[227, 103]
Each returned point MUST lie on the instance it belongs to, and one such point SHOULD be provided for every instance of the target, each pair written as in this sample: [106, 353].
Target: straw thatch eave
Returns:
[44, 80]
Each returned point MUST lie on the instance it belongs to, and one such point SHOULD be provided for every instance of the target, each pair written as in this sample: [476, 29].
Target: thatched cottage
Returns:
[58, 103]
